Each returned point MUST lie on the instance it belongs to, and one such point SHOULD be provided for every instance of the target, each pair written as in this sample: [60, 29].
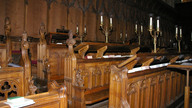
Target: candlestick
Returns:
[151, 23]
[111, 22]
[176, 31]
[136, 28]
[83, 35]
[158, 24]
[154, 33]
[101, 20]
[178, 38]
[85, 29]
[121, 35]
[77, 29]
[141, 28]
[180, 32]
[107, 30]
[138, 32]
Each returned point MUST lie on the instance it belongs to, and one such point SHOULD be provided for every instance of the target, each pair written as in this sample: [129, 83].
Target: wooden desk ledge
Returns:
[96, 95]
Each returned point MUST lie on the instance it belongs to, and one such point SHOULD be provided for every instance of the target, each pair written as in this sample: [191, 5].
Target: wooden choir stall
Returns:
[16, 80]
[149, 86]
[84, 69]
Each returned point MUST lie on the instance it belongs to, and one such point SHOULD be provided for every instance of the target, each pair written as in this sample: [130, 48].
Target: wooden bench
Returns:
[55, 98]
[149, 88]
[86, 78]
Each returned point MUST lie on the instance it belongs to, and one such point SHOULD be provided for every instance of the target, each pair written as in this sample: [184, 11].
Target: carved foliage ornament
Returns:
[7, 26]
[70, 41]
[131, 88]
[42, 31]
[79, 79]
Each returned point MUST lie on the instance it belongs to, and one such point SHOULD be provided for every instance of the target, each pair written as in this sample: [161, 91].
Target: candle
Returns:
[150, 24]
[176, 31]
[85, 29]
[180, 32]
[136, 28]
[77, 29]
[121, 35]
[141, 28]
[101, 20]
[158, 25]
[126, 35]
[110, 22]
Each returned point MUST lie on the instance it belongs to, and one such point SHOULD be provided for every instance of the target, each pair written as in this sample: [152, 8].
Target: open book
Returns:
[17, 102]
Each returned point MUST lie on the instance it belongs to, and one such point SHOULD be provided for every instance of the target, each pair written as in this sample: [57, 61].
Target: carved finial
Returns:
[7, 26]
[32, 87]
[70, 41]
[24, 36]
[42, 30]
[24, 40]
[78, 79]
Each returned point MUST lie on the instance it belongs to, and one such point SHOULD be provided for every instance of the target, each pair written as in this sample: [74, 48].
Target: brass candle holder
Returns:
[121, 37]
[106, 30]
[81, 36]
[139, 33]
[154, 35]
[178, 38]
[154, 32]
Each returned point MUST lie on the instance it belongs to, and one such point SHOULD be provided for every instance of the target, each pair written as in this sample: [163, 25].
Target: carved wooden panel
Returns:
[154, 90]
[3, 58]
[11, 82]
[55, 98]
[95, 74]
[54, 57]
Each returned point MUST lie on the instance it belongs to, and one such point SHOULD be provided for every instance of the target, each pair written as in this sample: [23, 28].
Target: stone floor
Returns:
[181, 105]
[103, 104]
